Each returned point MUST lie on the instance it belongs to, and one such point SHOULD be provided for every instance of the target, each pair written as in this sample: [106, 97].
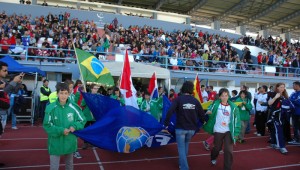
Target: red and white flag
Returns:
[126, 87]
[153, 88]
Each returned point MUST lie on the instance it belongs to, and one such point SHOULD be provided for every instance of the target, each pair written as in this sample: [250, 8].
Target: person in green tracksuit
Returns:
[224, 123]
[139, 98]
[70, 83]
[71, 97]
[117, 95]
[152, 107]
[61, 119]
[86, 111]
[244, 110]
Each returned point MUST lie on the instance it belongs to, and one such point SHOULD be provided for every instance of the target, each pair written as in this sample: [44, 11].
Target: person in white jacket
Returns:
[261, 111]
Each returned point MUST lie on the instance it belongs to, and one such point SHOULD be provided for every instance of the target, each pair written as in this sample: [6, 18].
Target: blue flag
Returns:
[121, 129]
[163, 138]
[166, 106]
[99, 104]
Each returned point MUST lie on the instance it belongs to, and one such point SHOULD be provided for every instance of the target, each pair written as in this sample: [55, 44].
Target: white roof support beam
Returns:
[197, 6]
[284, 19]
[232, 9]
[159, 4]
[264, 12]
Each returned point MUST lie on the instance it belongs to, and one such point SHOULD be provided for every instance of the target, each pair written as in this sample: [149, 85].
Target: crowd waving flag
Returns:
[93, 70]
[126, 87]
[153, 88]
[197, 90]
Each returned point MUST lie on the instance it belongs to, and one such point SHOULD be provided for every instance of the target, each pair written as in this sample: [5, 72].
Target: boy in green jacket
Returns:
[152, 107]
[224, 123]
[62, 117]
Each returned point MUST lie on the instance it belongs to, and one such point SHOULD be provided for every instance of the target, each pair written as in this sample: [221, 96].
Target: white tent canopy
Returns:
[254, 50]
[138, 70]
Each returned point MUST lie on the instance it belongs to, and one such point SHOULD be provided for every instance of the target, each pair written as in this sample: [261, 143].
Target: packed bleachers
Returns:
[51, 37]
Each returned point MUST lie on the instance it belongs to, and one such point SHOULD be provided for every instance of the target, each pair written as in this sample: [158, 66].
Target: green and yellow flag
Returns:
[93, 70]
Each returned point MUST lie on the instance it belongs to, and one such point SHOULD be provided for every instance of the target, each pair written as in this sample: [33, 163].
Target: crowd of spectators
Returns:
[281, 53]
[186, 49]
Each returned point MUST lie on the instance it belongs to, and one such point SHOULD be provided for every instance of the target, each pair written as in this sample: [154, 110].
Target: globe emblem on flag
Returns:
[96, 65]
[131, 138]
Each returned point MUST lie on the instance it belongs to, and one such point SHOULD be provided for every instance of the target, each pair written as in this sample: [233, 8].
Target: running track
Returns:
[26, 148]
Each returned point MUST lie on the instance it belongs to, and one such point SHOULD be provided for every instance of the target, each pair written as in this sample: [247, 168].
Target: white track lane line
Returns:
[16, 150]
[279, 167]
[153, 159]
[24, 139]
[98, 159]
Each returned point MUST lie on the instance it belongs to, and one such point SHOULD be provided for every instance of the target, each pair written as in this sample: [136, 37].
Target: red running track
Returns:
[26, 148]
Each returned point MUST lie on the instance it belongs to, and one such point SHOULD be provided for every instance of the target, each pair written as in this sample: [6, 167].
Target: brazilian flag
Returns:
[93, 70]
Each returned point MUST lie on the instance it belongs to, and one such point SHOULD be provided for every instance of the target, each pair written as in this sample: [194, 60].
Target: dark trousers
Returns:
[228, 148]
[277, 135]
[42, 109]
[261, 120]
[254, 103]
[296, 127]
[286, 129]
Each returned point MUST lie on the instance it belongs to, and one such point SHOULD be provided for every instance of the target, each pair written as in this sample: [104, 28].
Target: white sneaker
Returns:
[15, 128]
[77, 155]
[283, 151]
[213, 162]
[274, 146]
[255, 133]
[258, 134]
[206, 145]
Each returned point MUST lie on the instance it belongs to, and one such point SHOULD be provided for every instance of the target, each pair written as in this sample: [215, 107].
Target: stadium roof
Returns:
[275, 15]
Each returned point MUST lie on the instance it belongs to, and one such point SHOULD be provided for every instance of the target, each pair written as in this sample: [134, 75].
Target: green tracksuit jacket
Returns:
[122, 100]
[57, 119]
[235, 122]
[155, 108]
[244, 109]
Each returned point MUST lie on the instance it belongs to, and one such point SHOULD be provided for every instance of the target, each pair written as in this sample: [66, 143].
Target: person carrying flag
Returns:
[62, 118]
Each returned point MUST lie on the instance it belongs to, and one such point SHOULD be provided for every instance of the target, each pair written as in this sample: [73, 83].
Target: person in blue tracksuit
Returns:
[280, 106]
[295, 99]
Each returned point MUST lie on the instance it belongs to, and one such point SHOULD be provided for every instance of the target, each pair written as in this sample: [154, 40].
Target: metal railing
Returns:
[68, 56]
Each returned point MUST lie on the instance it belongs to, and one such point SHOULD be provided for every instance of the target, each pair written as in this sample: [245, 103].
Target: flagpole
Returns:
[81, 76]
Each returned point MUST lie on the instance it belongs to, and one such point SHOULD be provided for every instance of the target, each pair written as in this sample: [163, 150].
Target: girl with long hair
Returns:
[280, 107]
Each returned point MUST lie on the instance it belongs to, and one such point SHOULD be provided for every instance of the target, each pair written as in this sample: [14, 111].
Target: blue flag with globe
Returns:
[121, 129]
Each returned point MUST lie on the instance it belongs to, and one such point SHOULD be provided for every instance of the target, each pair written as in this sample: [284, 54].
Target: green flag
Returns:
[93, 70]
